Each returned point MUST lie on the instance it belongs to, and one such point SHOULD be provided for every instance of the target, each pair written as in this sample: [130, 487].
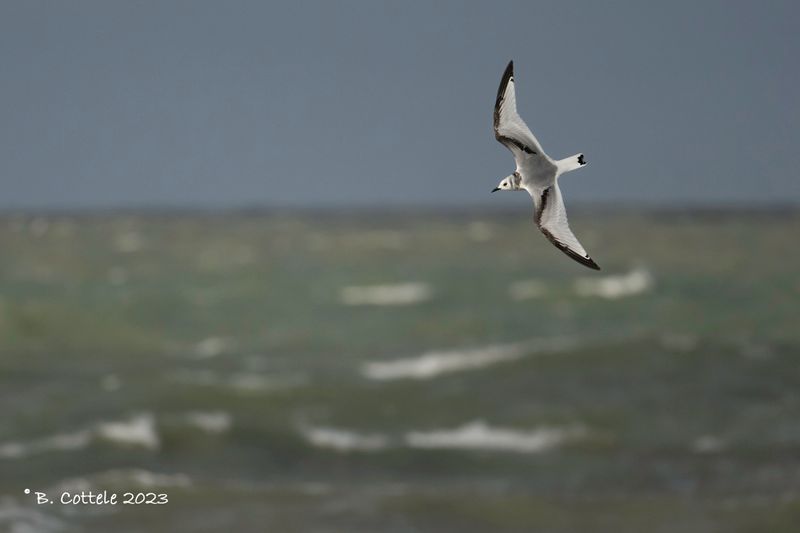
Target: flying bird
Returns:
[536, 172]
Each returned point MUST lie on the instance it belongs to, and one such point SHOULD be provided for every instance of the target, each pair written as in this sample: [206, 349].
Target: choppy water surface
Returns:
[401, 373]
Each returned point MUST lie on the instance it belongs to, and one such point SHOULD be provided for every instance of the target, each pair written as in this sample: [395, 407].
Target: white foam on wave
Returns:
[408, 293]
[527, 289]
[145, 478]
[137, 431]
[617, 286]
[124, 477]
[435, 363]
[431, 364]
[16, 518]
[59, 442]
[212, 347]
[478, 435]
[343, 440]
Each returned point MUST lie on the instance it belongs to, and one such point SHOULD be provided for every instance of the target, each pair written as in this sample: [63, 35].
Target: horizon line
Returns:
[579, 207]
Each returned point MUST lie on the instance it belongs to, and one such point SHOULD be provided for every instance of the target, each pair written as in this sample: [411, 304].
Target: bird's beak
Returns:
[496, 189]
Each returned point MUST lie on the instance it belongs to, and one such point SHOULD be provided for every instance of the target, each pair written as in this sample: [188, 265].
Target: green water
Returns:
[207, 349]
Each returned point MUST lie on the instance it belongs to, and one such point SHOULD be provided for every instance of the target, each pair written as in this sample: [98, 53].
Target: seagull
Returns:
[536, 172]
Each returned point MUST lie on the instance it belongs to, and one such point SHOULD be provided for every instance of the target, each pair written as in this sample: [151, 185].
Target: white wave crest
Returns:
[613, 287]
[478, 435]
[60, 442]
[343, 440]
[391, 294]
[145, 478]
[138, 431]
[16, 518]
[434, 363]
[122, 477]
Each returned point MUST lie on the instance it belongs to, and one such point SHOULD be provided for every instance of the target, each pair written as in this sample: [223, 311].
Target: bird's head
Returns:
[506, 184]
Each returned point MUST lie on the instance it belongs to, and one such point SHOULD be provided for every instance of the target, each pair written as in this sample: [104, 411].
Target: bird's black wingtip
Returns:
[585, 260]
[509, 72]
[507, 75]
[591, 264]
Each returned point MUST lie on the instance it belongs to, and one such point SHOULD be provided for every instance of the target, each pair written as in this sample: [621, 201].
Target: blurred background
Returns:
[249, 260]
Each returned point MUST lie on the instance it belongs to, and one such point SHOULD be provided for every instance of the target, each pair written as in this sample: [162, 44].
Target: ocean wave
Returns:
[434, 363]
[343, 440]
[142, 478]
[122, 477]
[478, 435]
[59, 442]
[137, 431]
[389, 294]
[17, 518]
[617, 286]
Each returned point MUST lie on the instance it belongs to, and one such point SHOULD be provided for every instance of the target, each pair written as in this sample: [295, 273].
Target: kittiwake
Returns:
[536, 172]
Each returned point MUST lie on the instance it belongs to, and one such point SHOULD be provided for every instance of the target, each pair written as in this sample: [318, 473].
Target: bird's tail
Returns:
[570, 163]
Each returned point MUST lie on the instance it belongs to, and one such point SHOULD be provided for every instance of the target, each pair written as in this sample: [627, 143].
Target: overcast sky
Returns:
[194, 103]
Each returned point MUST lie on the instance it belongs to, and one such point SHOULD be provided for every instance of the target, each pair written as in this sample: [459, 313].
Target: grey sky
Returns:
[308, 103]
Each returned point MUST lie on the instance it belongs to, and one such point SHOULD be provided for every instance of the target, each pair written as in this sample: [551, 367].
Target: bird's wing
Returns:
[509, 128]
[551, 217]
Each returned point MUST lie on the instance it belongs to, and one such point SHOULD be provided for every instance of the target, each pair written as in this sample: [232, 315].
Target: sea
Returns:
[399, 371]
